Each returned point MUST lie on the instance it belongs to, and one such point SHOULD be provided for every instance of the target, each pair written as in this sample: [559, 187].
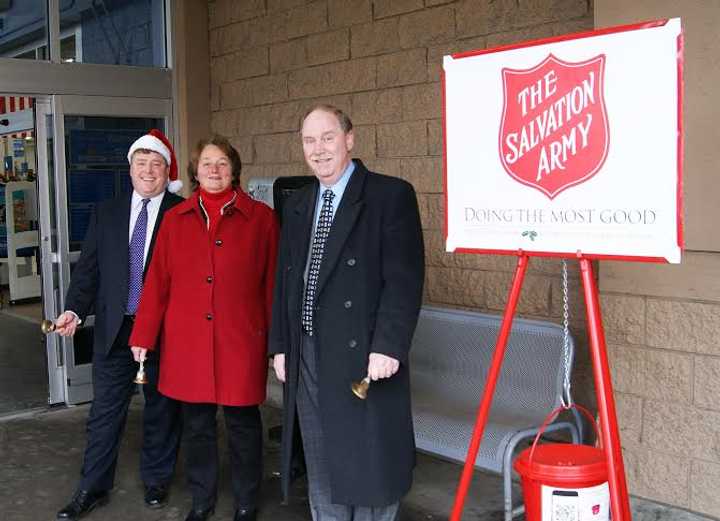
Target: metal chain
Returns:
[567, 398]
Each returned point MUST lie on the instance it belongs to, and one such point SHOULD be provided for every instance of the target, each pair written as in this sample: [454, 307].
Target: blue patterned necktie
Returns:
[136, 256]
[318, 247]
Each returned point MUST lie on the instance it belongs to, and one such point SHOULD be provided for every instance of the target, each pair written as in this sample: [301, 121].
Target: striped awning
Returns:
[16, 116]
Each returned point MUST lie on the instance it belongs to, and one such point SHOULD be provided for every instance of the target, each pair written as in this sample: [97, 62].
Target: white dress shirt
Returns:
[153, 208]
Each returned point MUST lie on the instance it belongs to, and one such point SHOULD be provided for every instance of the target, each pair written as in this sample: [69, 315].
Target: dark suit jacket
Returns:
[368, 299]
[99, 280]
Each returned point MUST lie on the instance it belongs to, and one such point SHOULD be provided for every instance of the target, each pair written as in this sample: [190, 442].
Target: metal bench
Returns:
[449, 360]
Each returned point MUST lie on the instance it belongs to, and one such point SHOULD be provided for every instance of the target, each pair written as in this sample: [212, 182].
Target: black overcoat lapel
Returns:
[347, 213]
[120, 224]
[301, 224]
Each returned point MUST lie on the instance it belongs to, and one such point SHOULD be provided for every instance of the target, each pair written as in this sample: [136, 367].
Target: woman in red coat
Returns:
[207, 299]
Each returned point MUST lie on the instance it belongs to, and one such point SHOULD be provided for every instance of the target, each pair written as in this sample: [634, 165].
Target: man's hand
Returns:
[279, 366]
[139, 353]
[381, 366]
[66, 324]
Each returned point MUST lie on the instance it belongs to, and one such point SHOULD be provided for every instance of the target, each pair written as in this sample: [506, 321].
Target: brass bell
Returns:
[47, 326]
[141, 377]
[360, 388]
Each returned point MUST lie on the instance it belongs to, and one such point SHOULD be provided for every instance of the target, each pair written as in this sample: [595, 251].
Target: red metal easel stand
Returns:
[609, 432]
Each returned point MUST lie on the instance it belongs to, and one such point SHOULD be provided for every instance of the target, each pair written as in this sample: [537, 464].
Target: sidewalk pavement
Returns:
[41, 454]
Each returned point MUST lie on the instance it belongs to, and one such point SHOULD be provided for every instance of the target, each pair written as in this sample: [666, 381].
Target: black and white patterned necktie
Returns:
[316, 254]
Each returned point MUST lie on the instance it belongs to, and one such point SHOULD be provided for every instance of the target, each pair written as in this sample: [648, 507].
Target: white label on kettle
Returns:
[576, 504]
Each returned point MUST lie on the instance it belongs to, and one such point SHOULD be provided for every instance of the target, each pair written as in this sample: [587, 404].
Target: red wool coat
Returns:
[209, 301]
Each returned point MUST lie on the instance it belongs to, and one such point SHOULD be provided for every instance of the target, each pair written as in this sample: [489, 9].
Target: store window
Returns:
[97, 166]
[113, 32]
[19, 272]
[17, 139]
[23, 29]
[38, 50]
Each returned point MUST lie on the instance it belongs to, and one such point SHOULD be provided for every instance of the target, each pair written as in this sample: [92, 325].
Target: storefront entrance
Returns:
[23, 366]
[70, 155]
[79, 82]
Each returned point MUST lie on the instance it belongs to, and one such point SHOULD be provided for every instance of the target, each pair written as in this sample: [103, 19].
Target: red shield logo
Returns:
[554, 130]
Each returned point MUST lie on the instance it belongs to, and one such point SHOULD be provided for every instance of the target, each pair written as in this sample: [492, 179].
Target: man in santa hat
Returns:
[107, 281]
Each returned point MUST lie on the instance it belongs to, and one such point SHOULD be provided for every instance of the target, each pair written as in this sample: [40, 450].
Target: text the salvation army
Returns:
[553, 123]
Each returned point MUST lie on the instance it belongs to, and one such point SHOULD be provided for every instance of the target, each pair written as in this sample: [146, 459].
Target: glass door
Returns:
[85, 142]
[23, 365]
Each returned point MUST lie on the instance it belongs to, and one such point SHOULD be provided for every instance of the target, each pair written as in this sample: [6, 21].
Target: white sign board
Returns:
[568, 145]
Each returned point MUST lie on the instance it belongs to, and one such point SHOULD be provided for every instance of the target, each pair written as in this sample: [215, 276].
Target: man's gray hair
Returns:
[344, 120]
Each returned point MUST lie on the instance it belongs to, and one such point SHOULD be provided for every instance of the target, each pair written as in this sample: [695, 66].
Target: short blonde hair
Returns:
[344, 120]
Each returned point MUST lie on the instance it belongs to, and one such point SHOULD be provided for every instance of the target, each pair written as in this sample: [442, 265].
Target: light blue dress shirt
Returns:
[338, 189]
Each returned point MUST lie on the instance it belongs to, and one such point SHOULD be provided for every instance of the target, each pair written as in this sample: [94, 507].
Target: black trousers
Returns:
[244, 433]
[113, 375]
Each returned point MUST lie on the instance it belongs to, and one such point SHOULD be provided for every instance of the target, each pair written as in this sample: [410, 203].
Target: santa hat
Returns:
[157, 142]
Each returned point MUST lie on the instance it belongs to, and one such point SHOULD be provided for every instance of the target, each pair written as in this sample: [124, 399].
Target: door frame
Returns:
[56, 372]
[68, 382]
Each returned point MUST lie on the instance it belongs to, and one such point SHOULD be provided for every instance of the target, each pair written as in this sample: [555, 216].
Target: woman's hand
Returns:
[279, 366]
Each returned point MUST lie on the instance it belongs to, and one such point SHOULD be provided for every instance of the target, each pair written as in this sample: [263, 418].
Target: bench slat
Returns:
[450, 357]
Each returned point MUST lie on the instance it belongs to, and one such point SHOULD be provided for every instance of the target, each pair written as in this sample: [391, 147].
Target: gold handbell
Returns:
[47, 326]
[141, 377]
[360, 388]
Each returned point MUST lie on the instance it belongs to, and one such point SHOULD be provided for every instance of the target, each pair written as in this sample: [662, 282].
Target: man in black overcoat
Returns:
[107, 280]
[347, 296]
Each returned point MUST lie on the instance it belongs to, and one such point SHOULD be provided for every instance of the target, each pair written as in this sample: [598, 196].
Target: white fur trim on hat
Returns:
[175, 186]
[149, 142]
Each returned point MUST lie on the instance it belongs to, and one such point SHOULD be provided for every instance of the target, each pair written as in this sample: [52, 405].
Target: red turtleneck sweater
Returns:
[213, 203]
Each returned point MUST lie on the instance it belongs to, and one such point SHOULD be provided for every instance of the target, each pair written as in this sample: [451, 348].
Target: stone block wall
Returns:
[665, 362]
[380, 60]
[663, 321]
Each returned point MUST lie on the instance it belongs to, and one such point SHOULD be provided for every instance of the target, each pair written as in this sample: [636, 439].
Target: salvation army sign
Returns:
[567, 145]
[554, 131]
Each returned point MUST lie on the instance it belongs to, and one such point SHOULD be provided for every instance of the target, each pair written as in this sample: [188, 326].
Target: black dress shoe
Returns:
[82, 503]
[156, 496]
[245, 514]
[200, 514]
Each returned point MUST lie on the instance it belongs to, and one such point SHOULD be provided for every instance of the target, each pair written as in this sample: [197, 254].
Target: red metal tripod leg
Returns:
[487, 397]
[619, 503]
